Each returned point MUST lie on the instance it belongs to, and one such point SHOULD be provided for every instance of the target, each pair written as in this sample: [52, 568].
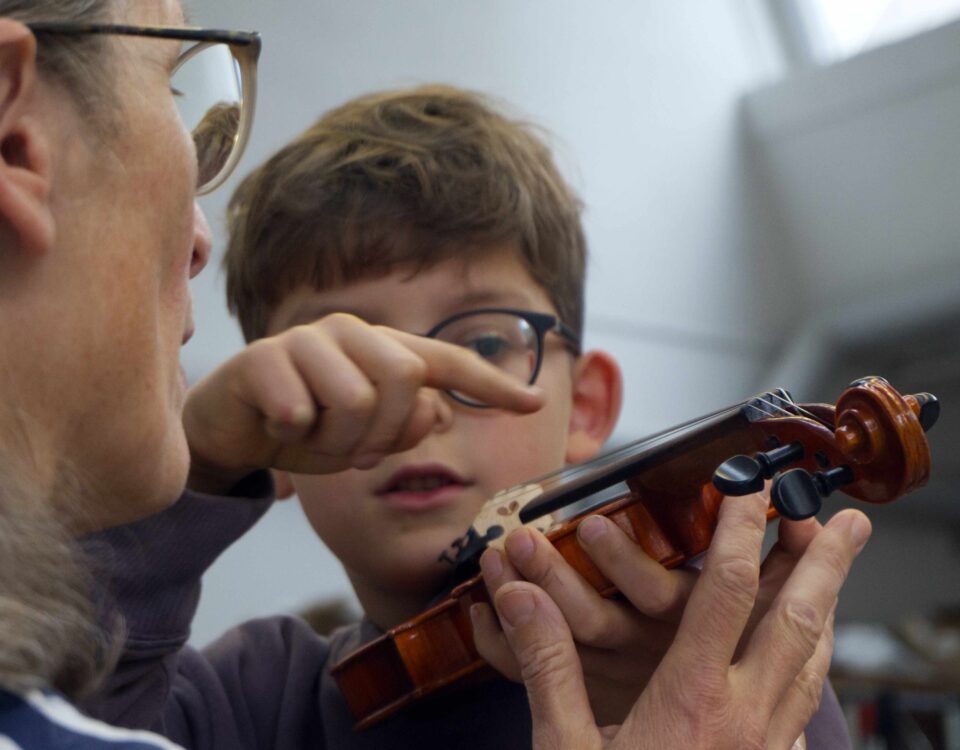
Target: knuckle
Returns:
[543, 663]
[338, 322]
[358, 400]
[737, 578]
[753, 734]
[409, 369]
[663, 598]
[702, 702]
[802, 625]
[261, 351]
[809, 684]
[543, 574]
[700, 706]
[594, 630]
[297, 337]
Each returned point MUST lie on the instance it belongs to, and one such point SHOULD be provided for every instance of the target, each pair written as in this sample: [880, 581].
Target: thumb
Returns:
[550, 667]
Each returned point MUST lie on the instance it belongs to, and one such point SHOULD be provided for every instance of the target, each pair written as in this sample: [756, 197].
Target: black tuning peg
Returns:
[929, 410]
[796, 494]
[828, 481]
[742, 475]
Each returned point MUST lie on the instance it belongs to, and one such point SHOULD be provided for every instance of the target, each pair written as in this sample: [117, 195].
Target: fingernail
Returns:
[592, 528]
[516, 607]
[475, 614]
[491, 564]
[859, 531]
[519, 546]
[368, 461]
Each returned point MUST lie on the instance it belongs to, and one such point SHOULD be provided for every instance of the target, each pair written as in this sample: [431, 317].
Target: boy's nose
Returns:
[442, 409]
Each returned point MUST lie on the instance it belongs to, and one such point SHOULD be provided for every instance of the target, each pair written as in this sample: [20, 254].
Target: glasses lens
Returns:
[504, 340]
[209, 93]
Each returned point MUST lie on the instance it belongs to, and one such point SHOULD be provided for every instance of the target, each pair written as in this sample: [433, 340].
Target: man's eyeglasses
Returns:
[214, 82]
[510, 339]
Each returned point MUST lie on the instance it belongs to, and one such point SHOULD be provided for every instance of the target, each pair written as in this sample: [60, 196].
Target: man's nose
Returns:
[202, 241]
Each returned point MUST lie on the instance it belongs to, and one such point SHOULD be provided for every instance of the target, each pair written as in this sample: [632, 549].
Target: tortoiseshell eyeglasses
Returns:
[214, 82]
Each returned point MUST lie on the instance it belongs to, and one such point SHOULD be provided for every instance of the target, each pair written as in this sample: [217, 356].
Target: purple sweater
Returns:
[267, 683]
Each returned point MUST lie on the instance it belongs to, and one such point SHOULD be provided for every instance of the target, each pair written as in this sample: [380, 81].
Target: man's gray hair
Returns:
[76, 62]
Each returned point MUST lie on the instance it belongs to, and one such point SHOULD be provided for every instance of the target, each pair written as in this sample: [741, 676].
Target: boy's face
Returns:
[388, 524]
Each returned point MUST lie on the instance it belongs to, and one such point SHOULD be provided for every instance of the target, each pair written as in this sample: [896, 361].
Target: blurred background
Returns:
[773, 200]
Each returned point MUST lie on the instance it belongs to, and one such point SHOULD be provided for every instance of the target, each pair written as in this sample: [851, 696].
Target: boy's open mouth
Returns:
[421, 479]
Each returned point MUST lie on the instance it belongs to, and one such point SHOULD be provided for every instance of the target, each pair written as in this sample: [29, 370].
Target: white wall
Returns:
[642, 99]
[862, 160]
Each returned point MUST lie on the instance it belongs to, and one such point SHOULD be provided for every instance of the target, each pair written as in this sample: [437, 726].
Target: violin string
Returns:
[799, 410]
[552, 479]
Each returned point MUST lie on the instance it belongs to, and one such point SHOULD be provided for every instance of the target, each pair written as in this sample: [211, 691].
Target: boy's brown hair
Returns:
[401, 179]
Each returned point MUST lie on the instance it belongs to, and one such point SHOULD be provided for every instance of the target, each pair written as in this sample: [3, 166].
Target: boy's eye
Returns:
[489, 346]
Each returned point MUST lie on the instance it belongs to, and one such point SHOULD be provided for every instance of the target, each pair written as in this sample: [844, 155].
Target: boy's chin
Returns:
[423, 577]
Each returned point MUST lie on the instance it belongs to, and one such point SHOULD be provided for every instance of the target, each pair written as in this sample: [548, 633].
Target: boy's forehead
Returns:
[428, 295]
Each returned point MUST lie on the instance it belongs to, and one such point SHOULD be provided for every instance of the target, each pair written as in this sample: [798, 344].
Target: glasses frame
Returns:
[244, 46]
[541, 323]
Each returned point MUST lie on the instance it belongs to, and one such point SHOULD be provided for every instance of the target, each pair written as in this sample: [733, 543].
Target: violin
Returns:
[664, 491]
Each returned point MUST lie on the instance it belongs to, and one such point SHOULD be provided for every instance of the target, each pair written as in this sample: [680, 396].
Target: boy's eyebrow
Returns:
[490, 298]
[476, 298]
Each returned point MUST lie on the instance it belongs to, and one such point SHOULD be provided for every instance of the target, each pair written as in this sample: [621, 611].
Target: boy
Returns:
[421, 212]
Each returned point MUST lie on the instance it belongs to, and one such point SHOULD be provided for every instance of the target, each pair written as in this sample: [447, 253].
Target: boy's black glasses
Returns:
[214, 82]
[510, 339]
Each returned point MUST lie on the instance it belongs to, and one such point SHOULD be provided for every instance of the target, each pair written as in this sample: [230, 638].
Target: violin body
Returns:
[871, 444]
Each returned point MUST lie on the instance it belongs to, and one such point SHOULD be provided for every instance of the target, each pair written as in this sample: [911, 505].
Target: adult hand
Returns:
[335, 394]
[717, 687]
[620, 641]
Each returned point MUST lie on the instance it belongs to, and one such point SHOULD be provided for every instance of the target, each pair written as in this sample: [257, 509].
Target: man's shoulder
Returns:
[38, 719]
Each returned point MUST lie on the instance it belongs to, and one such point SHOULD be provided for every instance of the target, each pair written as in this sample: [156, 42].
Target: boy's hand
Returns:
[335, 394]
[620, 641]
[718, 685]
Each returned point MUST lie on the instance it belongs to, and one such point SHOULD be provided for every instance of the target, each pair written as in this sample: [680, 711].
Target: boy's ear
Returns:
[597, 395]
[25, 174]
[283, 484]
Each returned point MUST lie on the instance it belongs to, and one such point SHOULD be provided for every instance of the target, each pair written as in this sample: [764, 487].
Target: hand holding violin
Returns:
[718, 686]
[620, 641]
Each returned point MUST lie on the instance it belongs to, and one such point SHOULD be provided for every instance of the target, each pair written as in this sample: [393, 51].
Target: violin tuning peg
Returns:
[779, 458]
[740, 475]
[929, 410]
[796, 495]
[828, 481]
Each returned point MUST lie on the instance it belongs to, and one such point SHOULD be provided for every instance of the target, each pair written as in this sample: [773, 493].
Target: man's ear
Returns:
[25, 173]
[283, 484]
[597, 395]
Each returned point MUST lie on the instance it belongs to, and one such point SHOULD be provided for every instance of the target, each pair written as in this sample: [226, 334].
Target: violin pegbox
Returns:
[871, 444]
